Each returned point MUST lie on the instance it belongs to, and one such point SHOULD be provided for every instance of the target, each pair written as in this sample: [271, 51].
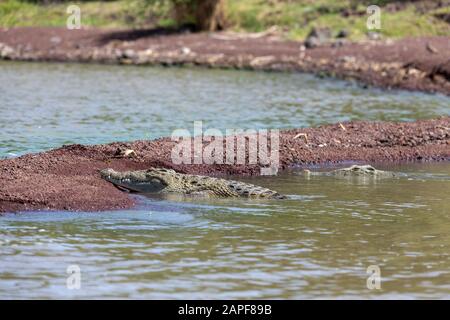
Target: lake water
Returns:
[317, 244]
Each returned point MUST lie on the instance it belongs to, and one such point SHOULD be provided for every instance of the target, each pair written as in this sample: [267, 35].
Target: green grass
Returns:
[299, 17]
[295, 17]
[111, 14]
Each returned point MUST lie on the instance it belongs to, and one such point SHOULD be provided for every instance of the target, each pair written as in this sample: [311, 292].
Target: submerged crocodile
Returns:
[160, 180]
[355, 171]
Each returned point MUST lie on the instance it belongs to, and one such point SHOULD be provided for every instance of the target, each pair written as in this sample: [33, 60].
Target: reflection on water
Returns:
[318, 243]
[47, 105]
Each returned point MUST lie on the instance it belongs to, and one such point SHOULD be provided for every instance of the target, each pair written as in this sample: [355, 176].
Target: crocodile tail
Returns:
[250, 190]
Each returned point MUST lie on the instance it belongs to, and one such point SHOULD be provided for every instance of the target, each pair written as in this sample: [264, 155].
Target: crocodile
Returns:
[355, 171]
[161, 181]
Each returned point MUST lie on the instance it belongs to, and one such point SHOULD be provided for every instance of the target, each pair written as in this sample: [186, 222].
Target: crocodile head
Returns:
[146, 181]
[363, 170]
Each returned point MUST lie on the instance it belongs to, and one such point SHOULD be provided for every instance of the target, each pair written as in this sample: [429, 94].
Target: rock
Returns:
[129, 53]
[317, 37]
[118, 53]
[431, 49]
[339, 43]
[312, 42]
[126, 61]
[259, 62]
[148, 52]
[371, 35]
[347, 59]
[343, 33]
[125, 153]
[321, 33]
[185, 50]
[212, 59]
[55, 40]
[6, 52]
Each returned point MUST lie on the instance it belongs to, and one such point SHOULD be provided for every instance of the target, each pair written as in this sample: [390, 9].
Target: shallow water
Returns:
[317, 244]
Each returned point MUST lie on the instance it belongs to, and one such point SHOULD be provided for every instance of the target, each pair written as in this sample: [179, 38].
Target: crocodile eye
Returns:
[194, 182]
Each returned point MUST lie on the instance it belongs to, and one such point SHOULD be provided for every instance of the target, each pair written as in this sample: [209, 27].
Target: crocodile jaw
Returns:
[133, 181]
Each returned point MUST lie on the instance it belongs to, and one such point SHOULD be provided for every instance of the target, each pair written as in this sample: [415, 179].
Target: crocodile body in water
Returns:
[160, 180]
[355, 171]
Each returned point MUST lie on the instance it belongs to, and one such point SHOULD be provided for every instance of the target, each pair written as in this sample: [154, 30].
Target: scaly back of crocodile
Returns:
[173, 182]
[355, 171]
[362, 170]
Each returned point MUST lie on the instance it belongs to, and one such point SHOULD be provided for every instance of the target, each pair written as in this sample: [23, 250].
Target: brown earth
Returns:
[67, 178]
[413, 63]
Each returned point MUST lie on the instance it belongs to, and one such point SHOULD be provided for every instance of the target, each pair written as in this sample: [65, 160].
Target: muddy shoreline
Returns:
[413, 63]
[67, 178]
